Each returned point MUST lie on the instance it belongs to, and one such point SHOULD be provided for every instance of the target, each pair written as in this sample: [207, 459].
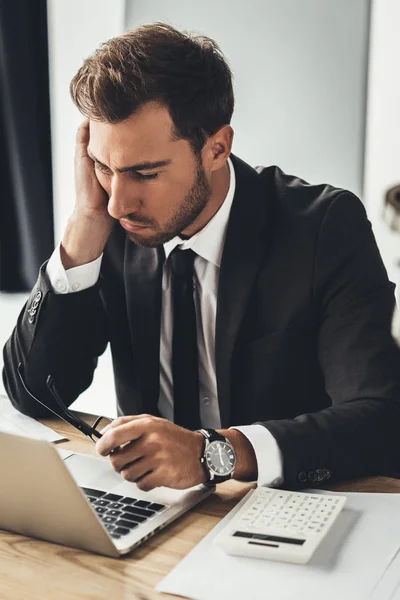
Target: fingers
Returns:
[82, 134]
[120, 421]
[128, 454]
[136, 470]
[148, 482]
[122, 431]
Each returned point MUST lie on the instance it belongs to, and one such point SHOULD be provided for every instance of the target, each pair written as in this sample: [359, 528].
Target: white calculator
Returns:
[280, 525]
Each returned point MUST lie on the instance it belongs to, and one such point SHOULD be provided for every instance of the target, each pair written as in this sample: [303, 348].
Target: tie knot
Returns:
[182, 262]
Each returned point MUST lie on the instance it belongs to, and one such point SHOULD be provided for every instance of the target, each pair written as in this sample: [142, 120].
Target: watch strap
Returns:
[212, 436]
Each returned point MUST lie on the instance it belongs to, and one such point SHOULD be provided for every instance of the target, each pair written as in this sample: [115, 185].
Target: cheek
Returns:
[174, 193]
[163, 200]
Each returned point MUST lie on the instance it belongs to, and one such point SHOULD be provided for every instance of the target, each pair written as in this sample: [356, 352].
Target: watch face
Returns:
[220, 458]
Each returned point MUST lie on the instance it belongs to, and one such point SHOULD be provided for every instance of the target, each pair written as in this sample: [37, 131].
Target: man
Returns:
[238, 300]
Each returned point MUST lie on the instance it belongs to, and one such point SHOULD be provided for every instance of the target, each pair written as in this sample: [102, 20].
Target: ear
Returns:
[218, 148]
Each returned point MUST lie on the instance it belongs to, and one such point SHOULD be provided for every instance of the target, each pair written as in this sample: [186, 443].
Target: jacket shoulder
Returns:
[292, 195]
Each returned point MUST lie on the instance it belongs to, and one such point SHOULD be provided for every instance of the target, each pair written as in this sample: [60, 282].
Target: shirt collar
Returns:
[209, 241]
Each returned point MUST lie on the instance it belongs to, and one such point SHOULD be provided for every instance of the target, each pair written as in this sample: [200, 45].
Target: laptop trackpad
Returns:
[92, 472]
[98, 473]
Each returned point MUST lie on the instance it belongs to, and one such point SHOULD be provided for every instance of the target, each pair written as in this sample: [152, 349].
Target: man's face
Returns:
[153, 203]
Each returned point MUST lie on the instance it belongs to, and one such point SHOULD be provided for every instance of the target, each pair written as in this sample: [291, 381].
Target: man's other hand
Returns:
[90, 224]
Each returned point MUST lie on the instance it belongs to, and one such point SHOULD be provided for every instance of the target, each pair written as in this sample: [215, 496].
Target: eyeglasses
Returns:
[63, 412]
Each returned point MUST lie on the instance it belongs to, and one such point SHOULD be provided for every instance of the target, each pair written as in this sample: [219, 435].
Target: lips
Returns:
[129, 226]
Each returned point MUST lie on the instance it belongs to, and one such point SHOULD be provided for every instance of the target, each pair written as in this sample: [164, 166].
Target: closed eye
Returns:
[150, 176]
[102, 169]
[135, 174]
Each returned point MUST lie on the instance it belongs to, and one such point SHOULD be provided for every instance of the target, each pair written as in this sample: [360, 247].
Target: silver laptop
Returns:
[79, 501]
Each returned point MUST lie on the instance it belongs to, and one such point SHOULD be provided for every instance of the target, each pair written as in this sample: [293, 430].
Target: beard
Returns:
[194, 203]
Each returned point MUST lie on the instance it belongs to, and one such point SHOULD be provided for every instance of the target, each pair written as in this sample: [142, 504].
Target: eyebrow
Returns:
[144, 166]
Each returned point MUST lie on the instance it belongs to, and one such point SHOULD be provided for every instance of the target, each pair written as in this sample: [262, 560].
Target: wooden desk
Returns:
[36, 570]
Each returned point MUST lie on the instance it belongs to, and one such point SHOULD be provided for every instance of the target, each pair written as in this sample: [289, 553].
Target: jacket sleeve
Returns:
[61, 335]
[358, 435]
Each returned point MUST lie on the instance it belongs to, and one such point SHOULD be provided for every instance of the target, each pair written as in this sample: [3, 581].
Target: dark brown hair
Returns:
[186, 73]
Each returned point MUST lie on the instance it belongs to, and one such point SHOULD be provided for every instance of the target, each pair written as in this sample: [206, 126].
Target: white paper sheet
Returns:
[64, 454]
[12, 421]
[350, 564]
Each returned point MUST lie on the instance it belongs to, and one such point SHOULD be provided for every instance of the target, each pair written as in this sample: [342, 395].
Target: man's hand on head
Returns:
[153, 452]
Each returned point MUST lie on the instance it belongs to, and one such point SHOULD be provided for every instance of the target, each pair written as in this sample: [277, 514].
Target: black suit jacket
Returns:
[303, 341]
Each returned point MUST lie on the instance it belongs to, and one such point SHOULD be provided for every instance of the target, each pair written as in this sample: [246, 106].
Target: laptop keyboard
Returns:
[121, 514]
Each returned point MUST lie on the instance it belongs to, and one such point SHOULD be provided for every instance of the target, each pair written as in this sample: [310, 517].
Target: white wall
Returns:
[383, 124]
[299, 74]
[76, 28]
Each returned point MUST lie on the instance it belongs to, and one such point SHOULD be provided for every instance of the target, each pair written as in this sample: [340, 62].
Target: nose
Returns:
[123, 199]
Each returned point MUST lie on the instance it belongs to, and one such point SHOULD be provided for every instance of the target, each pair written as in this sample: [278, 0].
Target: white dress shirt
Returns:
[207, 244]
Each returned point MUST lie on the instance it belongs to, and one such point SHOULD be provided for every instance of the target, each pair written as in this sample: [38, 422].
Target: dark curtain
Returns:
[26, 207]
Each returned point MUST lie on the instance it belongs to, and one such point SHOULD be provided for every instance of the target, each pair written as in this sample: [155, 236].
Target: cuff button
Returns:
[302, 477]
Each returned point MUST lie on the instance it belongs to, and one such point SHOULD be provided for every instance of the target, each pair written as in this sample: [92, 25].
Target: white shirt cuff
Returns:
[76, 279]
[268, 454]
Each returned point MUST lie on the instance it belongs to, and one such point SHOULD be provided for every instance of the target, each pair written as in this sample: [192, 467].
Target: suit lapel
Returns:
[243, 252]
[143, 279]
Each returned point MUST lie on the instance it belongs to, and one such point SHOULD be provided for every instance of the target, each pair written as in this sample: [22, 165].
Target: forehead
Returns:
[143, 136]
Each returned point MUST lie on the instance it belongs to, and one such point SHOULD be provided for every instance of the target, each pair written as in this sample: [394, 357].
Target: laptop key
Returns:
[157, 507]
[127, 524]
[134, 518]
[109, 527]
[101, 502]
[136, 510]
[113, 497]
[128, 500]
[116, 505]
[142, 503]
[114, 513]
[115, 536]
[100, 509]
[94, 493]
[92, 500]
[121, 531]
[107, 519]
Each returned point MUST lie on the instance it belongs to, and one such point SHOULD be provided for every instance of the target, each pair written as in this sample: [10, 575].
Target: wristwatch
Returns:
[219, 457]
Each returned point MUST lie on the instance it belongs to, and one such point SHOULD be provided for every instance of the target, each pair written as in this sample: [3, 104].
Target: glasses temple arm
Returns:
[81, 425]
[37, 399]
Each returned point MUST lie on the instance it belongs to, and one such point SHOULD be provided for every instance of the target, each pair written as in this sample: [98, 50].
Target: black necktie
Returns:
[185, 369]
